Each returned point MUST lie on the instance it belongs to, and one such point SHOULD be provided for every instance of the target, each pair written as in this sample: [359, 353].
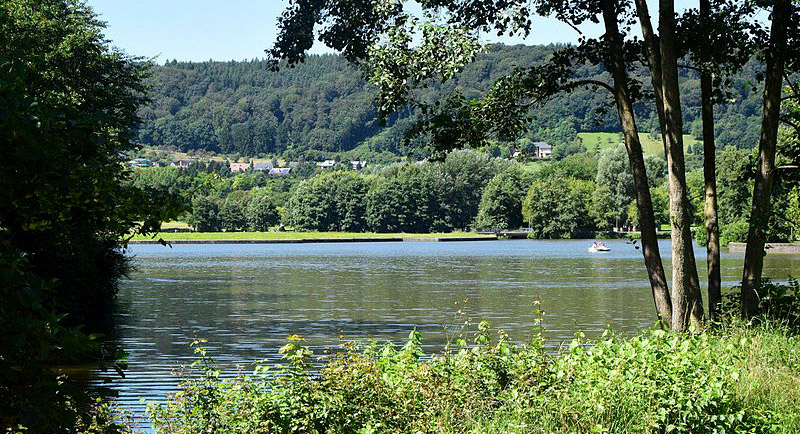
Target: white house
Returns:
[543, 150]
[280, 171]
[358, 165]
[182, 163]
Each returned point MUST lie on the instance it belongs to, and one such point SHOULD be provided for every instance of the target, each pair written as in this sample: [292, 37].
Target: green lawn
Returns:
[534, 166]
[650, 146]
[276, 236]
[174, 225]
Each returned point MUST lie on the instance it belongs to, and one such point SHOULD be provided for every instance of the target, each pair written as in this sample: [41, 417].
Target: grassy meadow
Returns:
[649, 145]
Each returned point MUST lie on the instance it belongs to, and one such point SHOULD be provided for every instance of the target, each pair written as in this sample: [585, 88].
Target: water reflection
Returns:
[246, 299]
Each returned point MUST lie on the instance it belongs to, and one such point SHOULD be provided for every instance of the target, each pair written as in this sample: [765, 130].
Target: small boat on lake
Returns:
[597, 247]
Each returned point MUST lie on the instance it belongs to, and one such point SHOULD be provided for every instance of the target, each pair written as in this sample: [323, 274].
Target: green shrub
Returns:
[700, 235]
[654, 382]
[735, 232]
[777, 303]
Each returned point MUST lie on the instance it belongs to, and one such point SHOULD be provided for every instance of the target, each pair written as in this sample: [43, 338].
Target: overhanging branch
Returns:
[579, 83]
[566, 88]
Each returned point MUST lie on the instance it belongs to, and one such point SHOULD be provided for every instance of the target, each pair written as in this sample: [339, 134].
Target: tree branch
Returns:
[574, 27]
[792, 85]
[691, 67]
[579, 83]
[568, 87]
[790, 123]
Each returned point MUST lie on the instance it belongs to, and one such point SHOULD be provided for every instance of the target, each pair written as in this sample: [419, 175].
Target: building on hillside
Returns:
[263, 167]
[327, 164]
[281, 171]
[240, 167]
[358, 165]
[294, 164]
[182, 163]
[543, 150]
[140, 162]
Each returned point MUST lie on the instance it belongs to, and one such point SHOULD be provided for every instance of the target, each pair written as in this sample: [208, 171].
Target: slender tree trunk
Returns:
[709, 169]
[652, 255]
[654, 59]
[687, 301]
[759, 213]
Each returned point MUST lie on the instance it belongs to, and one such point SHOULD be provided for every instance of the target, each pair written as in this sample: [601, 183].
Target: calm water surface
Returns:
[246, 299]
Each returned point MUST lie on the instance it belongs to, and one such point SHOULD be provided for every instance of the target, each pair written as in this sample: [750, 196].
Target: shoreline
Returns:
[322, 240]
[791, 248]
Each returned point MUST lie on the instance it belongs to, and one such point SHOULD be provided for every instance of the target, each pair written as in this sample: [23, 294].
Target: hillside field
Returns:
[650, 146]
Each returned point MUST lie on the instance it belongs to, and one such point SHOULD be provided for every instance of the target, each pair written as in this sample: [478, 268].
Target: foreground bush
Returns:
[732, 380]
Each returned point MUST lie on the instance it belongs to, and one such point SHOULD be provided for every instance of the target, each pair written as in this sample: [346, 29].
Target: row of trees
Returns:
[576, 196]
[240, 211]
[215, 179]
[586, 192]
[428, 197]
[408, 197]
[405, 197]
[716, 38]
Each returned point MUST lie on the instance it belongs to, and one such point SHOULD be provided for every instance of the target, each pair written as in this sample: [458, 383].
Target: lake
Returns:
[246, 299]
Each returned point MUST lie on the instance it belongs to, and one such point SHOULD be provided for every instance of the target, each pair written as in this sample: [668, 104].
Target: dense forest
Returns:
[324, 106]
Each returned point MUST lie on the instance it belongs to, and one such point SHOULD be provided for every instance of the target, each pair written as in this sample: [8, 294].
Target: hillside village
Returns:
[542, 151]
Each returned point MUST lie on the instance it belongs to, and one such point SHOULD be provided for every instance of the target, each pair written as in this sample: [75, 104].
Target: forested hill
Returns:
[324, 105]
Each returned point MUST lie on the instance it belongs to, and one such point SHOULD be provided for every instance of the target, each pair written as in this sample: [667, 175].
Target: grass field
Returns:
[175, 225]
[534, 166]
[277, 236]
[650, 146]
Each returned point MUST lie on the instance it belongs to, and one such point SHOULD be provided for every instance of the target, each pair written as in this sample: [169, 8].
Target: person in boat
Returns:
[594, 245]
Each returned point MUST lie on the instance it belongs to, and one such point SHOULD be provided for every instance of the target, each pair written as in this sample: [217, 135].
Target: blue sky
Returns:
[231, 29]
[226, 30]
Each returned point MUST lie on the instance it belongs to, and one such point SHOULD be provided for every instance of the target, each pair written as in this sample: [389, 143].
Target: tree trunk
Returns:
[687, 301]
[652, 255]
[709, 169]
[759, 213]
[654, 59]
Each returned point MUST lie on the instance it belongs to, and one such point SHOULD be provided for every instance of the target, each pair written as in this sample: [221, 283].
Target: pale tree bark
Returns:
[652, 255]
[759, 213]
[709, 169]
[654, 59]
[687, 301]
